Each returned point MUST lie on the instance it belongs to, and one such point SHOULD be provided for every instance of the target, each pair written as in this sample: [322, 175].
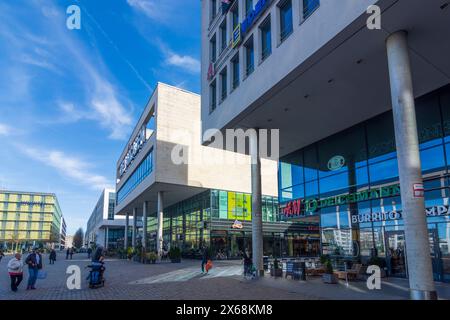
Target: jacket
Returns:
[52, 255]
[15, 266]
[31, 261]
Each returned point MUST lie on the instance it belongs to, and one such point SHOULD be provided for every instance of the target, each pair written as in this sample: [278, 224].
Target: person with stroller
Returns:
[97, 269]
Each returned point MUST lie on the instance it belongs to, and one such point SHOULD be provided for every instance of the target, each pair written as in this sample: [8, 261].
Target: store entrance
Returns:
[396, 253]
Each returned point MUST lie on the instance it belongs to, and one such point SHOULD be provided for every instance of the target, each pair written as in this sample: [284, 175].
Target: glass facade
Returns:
[357, 169]
[221, 220]
[140, 173]
[28, 219]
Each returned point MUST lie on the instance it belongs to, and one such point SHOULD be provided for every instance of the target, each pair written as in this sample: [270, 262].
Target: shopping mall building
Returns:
[341, 83]
[188, 195]
[29, 219]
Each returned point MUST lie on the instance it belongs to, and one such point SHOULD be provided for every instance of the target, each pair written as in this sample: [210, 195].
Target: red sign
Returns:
[418, 190]
[293, 208]
[211, 71]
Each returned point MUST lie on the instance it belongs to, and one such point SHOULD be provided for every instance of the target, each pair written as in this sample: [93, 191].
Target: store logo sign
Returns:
[253, 15]
[293, 208]
[435, 211]
[133, 151]
[237, 225]
[336, 163]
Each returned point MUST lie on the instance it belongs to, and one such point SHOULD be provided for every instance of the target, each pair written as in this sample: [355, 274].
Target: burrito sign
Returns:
[435, 211]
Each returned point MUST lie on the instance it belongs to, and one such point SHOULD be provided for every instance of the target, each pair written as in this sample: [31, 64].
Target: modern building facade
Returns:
[62, 235]
[168, 180]
[361, 111]
[29, 219]
[103, 227]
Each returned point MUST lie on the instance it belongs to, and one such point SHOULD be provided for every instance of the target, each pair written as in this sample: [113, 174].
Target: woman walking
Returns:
[15, 270]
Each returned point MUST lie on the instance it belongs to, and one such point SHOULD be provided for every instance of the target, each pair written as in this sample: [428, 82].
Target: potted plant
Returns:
[329, 276]
[175, 255]
[151, 257]
[377, 261]
[130, 253]
[276, 270]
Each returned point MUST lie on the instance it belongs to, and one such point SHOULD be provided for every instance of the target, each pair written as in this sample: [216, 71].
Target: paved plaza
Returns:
[127, 280]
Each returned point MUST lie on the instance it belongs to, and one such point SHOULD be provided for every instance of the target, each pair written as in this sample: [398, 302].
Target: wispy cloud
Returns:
[69, 167]
[154, 9]
[184, 62]
[5, 130]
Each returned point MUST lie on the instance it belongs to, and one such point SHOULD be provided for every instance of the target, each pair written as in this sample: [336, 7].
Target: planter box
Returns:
[276, 272]
[329, 278]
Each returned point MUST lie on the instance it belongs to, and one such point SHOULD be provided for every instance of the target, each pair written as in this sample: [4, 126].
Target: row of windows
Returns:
[265, 40]
[366, 154]
[13, 197]
[24, 235]
[142, 171]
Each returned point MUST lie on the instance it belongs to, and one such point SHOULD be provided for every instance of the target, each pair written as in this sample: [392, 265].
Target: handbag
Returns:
[209, 265]
[41, 274]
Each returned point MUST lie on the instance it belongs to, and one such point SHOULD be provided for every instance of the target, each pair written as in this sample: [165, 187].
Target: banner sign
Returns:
[435, 211]
[133, 150]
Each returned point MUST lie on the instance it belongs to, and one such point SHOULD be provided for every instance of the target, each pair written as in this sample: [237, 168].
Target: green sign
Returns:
[311, 205]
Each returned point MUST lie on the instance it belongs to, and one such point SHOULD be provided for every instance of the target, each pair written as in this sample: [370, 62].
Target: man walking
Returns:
[15, 270]
[67, 253]
[34, 262]
[52, 256]
[89, 252]
[71, 253]
[1, 255]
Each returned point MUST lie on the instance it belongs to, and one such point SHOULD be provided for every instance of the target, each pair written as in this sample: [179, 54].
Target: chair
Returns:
[351, 274]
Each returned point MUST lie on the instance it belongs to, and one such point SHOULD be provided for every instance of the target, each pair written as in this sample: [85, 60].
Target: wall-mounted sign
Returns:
[237, 225]
[435, 211]
[254, 14]
[133, 150]
[299, 207]
[236, 36]
[418, 190]
[336, 163]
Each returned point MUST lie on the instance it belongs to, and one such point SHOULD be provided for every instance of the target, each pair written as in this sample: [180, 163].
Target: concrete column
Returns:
[416, 232]
[144, 226]
[127, 226]
[133, 238]
[257, 231]
[159, 236]
[106, 238]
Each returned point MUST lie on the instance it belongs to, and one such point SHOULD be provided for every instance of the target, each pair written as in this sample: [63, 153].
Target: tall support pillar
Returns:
[159, 236]
[144, 226]
[133, 238]
[127, 227]
[257, 231]
[413, 205]
[106, 237]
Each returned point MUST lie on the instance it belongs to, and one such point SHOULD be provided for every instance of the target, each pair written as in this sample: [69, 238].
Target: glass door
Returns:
[396, 253]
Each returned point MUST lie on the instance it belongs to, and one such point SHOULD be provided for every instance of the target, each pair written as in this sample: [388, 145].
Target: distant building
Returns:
[69, 242]
[103, 228]
[62, 235]
[29, 219]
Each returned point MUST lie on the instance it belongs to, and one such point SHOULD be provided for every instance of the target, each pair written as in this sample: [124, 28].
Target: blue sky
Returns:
[70, 98]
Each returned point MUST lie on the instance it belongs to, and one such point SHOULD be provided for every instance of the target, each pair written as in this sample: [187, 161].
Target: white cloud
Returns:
[5, 130]
[184, 62]
[69, 167]
[154, 9]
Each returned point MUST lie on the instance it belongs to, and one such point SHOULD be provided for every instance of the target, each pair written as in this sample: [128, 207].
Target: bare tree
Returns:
[78, 238]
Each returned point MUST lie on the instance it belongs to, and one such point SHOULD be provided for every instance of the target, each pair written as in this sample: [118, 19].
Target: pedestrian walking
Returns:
[1, 255]
[67, 253]
[89, 252]
[71, 253]
[15, 270]
[52, 256]
[34, 262]
[205, 258]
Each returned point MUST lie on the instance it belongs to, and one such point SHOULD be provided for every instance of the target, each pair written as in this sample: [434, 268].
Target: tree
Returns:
[78, 238]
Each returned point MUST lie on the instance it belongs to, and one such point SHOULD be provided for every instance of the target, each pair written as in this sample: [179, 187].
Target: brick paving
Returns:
[127, 280]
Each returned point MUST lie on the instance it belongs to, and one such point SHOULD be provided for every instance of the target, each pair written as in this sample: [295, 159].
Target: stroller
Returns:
[95, 277]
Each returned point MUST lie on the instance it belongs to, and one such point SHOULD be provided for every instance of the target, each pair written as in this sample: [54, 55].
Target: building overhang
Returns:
[347, 80]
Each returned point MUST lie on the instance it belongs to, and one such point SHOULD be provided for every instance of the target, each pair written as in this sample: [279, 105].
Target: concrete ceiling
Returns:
[347, 81]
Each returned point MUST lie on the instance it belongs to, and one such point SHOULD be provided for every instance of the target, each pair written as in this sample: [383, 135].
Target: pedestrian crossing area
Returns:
[187, 274]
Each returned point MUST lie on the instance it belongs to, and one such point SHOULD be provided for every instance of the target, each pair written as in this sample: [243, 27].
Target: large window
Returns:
[223, 35]
[249, 57]
[285, 19]
[142, 171]
[213, 95]
[266, 41]
[235, 67]
[248, 7]
[213, 48]
[223, 84]
[309, 6]
[235, 16]
[213, 11]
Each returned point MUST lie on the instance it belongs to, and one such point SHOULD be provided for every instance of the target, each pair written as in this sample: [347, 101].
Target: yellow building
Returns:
[29, 219]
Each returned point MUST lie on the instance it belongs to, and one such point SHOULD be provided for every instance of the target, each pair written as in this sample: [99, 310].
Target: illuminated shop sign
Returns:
[237, 225]
[435, 211]
[336, 163]
[253, 16]
[298, 207]
[133, 150]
